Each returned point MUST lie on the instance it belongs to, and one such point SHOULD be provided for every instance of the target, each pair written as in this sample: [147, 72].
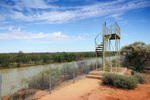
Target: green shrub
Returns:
[21, 95]
[99, 65]
[120, 81]
[131, 67]
[147, 68]
[108, 78]
[125, 82]
[41, 80]
[67, 72]
[54, 79]
[116, 60]
[133, 72]
[81, 67]
[140, 77]
[92, 66]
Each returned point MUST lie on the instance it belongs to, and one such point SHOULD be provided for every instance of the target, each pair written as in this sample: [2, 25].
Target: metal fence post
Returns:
[0, 86]
[50, 79]
[43, 80]
[73, 73]
[86, 65]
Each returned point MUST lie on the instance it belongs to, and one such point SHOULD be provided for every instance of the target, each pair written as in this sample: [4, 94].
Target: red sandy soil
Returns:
[93, 89]
[110, 93]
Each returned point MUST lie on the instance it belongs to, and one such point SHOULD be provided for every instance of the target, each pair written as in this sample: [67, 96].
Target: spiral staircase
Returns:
[102, 45]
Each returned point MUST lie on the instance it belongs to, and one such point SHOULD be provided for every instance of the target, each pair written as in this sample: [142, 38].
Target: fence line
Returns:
[86, 65]
[73, 74]
[25, 85]
[50, 79]
[0, 87]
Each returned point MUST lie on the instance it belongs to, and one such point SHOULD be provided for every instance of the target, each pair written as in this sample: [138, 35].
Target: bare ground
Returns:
[92, 89]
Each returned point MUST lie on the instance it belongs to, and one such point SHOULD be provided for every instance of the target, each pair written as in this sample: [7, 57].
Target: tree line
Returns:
[19, 59]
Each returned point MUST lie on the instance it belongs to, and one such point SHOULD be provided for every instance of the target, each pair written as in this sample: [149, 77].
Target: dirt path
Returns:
[74, 91]
[92, 89]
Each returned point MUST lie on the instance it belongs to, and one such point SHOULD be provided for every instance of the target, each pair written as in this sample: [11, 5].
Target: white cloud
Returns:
[86, 34]
[52, 0]
[23, 35]
[116, 16]
[123, 22]
[19, 29]
[55, 14]
[28, 4]
[10, 28]
[3, 28]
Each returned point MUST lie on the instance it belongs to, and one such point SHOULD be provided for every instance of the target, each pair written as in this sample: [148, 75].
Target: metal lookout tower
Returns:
[107, 44]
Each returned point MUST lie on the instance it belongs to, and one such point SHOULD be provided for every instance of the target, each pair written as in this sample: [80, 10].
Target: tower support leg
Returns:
[96, 61]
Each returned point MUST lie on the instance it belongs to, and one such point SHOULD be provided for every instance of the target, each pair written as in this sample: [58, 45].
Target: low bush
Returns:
[133, 72]
[132, 68]
[99, 65]
[41, 80]
[120, 81]
[20, 95]
[116, 60]
[140, 77]
[125, 82]
[81, 67]
[108, 78]
[38, 81]
[92, 66]
[67, 72]
[147, 68]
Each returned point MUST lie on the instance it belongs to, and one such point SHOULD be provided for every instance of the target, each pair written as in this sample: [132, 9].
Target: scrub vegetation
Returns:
[29, 59]
[123, 81]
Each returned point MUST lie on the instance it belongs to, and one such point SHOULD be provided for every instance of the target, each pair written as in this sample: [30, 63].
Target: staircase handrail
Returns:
[97, 44]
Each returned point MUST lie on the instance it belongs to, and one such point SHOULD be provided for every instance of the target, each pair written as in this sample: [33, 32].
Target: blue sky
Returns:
[69, 25]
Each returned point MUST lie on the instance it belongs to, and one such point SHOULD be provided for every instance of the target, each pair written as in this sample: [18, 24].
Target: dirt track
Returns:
[92, 89]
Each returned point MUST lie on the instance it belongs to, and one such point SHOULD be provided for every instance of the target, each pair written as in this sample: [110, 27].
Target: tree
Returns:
[27, 59]
[136, 55]
[63, 57]
[5, 59]
[72, 56]
[35, 58]
[87, 54]
[19, 58]
[45, 58]
[54, 57]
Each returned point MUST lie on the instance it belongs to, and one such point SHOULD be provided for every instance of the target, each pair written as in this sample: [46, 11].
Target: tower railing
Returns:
[115, 29]
[98, 40]
[105, 30]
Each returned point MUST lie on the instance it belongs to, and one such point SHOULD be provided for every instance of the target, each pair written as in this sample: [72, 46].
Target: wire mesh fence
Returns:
[31, 84]
[16, 85]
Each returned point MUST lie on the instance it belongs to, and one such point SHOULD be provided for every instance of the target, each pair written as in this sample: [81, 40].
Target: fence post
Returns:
[50, 79]
[86, 65]
[73, 73]
[0, 87]
[43, 80]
